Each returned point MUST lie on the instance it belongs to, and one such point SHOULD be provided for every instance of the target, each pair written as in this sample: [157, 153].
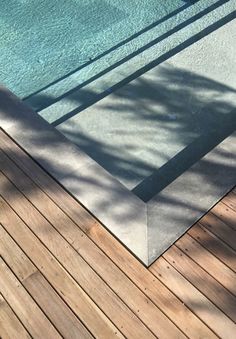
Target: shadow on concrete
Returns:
[185, 109]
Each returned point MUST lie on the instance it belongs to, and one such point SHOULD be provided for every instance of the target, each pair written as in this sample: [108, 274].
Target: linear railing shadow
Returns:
[42, 101]
[123, 42]
[90, 99]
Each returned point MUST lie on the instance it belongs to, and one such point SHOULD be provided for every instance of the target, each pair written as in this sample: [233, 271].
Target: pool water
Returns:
[43, 41]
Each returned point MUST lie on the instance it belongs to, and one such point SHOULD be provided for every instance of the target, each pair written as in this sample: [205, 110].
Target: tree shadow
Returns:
[146, 136]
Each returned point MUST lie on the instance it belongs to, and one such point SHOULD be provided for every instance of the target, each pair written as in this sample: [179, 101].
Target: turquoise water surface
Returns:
[42, 41]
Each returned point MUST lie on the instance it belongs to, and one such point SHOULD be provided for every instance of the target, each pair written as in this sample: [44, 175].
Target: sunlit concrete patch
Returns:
[172, 211]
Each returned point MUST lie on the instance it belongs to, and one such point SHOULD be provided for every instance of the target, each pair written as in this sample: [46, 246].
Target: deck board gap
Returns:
[204, 269]
[46, 279]
[55, 259]
[212, 253]
[187, 304]
[224, 235]
[18, 319]
[31, 298]
[216, 235]
[197, 288]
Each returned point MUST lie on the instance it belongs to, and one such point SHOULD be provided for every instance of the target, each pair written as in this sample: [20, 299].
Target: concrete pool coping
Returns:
[146, 229]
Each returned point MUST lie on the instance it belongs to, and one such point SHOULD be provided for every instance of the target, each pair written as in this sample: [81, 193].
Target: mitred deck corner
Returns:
[62, 274]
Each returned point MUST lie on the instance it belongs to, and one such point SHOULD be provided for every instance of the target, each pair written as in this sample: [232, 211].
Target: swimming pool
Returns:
[137, 87]
[43, 41]
[69, 43]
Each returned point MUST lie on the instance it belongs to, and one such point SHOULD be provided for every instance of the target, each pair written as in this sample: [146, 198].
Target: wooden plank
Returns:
[220, 229]
[208, 262]
[195, 300]
[62, 282]
[43, 293]
[37, 286]
[213, 244]
[10, 326]
[103, 296]
[203, 281]
[230, 200]
[225, 213]
[16, 296]
[152, 287]
[113, 276]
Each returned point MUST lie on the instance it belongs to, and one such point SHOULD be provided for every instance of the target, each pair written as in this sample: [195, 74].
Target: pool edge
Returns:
[129, 220]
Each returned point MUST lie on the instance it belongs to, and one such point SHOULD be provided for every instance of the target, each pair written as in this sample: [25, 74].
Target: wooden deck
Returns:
[63, 275]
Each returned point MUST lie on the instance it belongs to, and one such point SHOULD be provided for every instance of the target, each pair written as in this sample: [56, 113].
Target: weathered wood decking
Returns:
[63, 275]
